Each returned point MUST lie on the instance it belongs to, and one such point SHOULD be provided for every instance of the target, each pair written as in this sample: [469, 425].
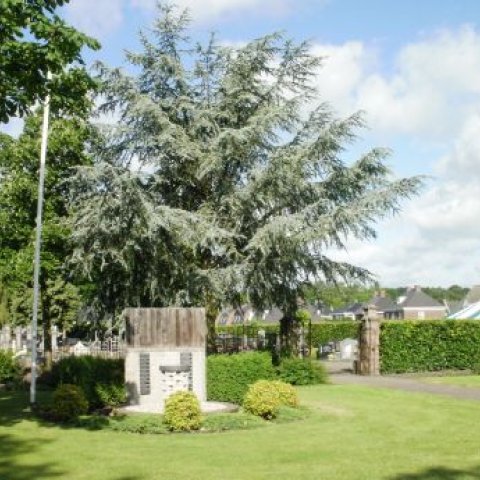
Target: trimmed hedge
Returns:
[325, 332]
[88, 373]
[423, 346]
[322, 333]
[229, 376]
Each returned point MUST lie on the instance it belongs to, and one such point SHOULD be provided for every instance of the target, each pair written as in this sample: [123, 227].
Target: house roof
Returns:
[471, 312]
[454, 307]
[473, 296]
[382, 303]
[274, 315]
[416, 298]
[355, 308]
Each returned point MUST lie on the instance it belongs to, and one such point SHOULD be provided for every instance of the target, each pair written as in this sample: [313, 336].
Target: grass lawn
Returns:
[353, 433]
[457, 380]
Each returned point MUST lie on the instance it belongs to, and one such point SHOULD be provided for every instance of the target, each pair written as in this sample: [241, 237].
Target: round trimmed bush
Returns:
[262, 399]
[288, 395]
[68, 402]
[182, 412]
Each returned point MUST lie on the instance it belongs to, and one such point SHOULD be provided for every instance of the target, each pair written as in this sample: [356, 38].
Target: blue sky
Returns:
[413, 66]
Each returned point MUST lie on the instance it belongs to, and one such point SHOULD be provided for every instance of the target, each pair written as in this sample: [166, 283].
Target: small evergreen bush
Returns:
[111, 395]
[229, 376]
[287, 394]
[10, 370]
[182, 412]
[262, 399]
[68, 402]
[297, 371]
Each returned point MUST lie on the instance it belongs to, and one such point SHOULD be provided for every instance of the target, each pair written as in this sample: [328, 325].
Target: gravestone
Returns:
[348, 349]
[165, 354]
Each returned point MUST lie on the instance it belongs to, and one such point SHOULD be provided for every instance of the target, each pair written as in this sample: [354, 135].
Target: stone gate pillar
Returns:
[369, 345]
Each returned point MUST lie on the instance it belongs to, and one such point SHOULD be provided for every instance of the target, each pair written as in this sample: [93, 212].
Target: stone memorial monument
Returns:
[165, 354]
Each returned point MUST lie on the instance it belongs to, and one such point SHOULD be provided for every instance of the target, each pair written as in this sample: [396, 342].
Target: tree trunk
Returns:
[212, 309]
[289, 336]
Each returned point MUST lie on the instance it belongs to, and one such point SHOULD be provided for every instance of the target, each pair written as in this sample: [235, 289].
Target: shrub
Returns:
[229, 376]
[422, 346]
[182, 412]
[111, 395]
[297, 371]
[87, 372]
[68, 402]
[262, 399]
[287, 394]
[10, 370]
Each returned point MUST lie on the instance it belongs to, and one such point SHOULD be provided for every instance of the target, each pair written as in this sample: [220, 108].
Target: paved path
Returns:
[408, 385]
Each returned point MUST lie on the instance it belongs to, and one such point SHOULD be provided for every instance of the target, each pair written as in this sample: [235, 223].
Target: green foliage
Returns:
[89, 373]
[111, 394]
[182, 412]
[59, 298]
[297, 371]
[33, 42]
[287, 393]
[325, 332]
[68, 402]
[302, 317]
[240, 191]
[262, 399]
[336, 296]
[476, 367]
[10, 370]
[421, 346]
[229, 376]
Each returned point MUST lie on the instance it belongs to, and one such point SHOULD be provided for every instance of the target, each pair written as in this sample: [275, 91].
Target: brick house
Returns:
[416, 305]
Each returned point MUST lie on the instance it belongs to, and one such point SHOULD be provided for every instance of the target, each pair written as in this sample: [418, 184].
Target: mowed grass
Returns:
[456, 380]
[352, 432]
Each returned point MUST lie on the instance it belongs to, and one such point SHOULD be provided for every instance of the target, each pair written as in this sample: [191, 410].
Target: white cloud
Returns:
[343, 69]
[208, 10]
[98, 18]
[428, 93]
[432, 93]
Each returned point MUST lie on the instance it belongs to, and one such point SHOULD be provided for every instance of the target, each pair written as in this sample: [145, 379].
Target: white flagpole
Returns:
[38, 241]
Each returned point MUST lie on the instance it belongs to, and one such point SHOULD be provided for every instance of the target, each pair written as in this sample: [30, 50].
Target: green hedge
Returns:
[228, 376]
[422, 346]
[322, 333]
[325, 332]
[88, 373]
